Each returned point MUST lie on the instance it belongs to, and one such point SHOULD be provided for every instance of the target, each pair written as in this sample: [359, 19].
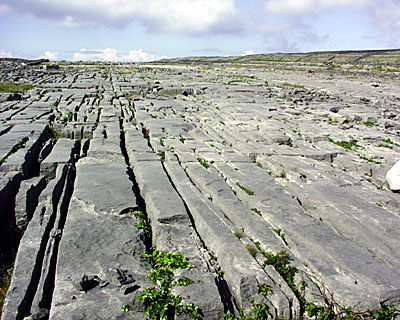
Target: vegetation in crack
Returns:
[349, 145]
[259, 310]
[332, 309]
[144, 223]
[248, 191]
[5, 279]
[203, 162]
[18, 145]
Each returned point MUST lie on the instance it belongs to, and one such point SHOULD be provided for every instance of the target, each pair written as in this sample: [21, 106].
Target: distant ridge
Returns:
[27, 61]
[385, 57]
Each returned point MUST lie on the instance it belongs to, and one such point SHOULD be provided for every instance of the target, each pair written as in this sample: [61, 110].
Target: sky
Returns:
[147, 30]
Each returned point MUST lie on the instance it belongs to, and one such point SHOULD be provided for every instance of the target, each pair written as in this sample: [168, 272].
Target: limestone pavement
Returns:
[228, 163]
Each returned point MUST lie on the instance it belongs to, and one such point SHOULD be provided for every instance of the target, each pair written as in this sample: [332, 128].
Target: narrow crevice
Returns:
[135, 187]
[225, 294]
[6, 130]
[25, 306]
[85, 148]
[31, 165]
[32, 198]
[49, 283]
[10, 235]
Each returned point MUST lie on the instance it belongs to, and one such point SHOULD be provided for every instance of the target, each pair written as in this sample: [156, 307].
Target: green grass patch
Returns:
[8, 86]
[371, 124]
[293, 85]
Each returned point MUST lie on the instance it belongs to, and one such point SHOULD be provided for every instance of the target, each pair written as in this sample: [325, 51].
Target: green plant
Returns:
[162, 155]
[159, 301]
[371, 124]
[388, 140]
[144, 223]
[126, 308]
[252, 250]
[181, 139]
[203, 162]
[385, 146]
[256, 211]
[368, 160]
[280, 234]
[5, 279]
[238, 234]
[280, 261]
[345, 144]
[248, 191]
[54, 133]
[259, 310]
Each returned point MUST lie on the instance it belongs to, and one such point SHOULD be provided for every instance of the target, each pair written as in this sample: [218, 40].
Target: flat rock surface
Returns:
[230, 164]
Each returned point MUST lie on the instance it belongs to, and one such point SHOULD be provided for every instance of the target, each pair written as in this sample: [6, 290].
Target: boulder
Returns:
[393, 177]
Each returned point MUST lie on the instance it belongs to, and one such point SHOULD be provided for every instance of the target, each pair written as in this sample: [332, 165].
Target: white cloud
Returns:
[6, 54]
[305, 7]
[140, 56]
[51, 55]
[248, 52]
[113, 55]
[182, 16]
[387, 18]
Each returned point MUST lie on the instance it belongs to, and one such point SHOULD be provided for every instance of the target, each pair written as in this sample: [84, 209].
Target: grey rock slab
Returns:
[163, 204]
[345, 257]
[60, 154]
[367, 224]
[99, 183]
[100, 147]
[95, 246]
[210, 182]
[26, 200]
[242, 272]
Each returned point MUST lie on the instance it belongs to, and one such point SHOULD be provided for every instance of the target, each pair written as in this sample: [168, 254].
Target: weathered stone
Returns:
[393, 177]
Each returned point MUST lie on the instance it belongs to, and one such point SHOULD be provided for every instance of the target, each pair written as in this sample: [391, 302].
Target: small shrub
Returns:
[159, 301]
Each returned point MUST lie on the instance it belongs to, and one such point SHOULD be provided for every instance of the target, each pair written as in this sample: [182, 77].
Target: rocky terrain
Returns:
[259, 170]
